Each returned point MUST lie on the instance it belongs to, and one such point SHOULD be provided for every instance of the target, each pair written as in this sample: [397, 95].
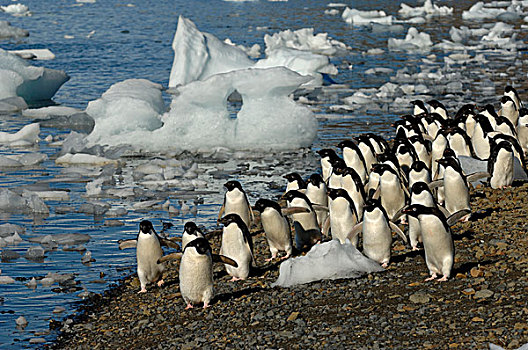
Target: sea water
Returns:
[101, 43]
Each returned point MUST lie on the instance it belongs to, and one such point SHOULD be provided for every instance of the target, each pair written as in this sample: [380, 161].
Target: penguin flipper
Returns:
[127, 243]
[436, 183]
[294, 210]
[443, 210]
[399, 213]
[477, 176]
[224, 259]
[319, 207]
[326, 225]
[164, 242]
[427, 137]
[355, 231]
[168, 257]
[396, 229]
[221, 213]
[453, 219]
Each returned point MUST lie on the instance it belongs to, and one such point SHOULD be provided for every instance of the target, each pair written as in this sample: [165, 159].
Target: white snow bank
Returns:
[28, 135]
[413, 41]
[34, 54]
[199, 117]
[428, 9]
[19, 78]
[304, 40]
[16, 10]
[8, 31]
[359, 18]
[329, 260]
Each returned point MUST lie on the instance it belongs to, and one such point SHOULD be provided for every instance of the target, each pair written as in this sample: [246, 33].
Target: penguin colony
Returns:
[416, 181]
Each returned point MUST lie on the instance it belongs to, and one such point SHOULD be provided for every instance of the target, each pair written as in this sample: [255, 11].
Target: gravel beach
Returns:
[484, 301]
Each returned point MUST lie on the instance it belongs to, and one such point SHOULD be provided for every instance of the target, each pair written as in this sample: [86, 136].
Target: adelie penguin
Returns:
[437, 240]
[307, 230]
[342, 216]
[500, 165]
[148, 251]
[295, 182]
[376, 228]
[237, 245]
[236, 202]
[196, 271]
[276, 226]
[354, 158]
[190, 233]
[316, 193]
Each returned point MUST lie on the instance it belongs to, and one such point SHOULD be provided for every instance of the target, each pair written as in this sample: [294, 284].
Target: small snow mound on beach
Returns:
[329, 260]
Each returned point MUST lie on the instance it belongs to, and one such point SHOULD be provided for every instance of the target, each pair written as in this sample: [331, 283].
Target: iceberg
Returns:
[28, 135]
[329, 260]
[19, 78]
[414, 40]
[361, 18]
[198, 56]
[8, 31]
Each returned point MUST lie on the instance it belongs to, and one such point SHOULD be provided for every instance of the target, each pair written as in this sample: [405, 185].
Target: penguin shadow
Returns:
[469, 234]
[224, 297]
[481, 214]
[410, 254]
[467, 266]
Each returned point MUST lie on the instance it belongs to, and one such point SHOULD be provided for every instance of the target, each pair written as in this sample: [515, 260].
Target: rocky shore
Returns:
[485, 300]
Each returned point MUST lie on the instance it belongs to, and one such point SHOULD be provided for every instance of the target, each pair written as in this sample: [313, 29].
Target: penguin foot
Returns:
[443, 279]
[206, 305]
[270, 259]
[189, 306]
[143, 290]
[385, 265]
[160, 282]
[285, 257]
[415, 249]
[234, 279]
[433, 276]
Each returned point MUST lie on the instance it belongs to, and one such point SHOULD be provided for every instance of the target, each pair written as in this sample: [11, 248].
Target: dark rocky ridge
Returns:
[484, 300]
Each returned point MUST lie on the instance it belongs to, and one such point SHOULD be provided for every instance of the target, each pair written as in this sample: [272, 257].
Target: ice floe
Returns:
[428, 9]
[16, 9]
[360, 18]
[413, 41]
[19, 78]
[34, 54]
[8, 31]
[329, 260]
[26, 202]
[305, 40]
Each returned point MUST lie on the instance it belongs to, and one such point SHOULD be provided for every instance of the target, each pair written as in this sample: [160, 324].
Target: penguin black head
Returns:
[315, 179]
[448, 152]
[200, 244]
[484, 123]
[415, 210]
[291, 177]
[511, 90]
[419, 104]
[450, 162]
[191, 228]
[465, 111]
[291, 195]
[506, 99]
[232, 218]
[145, 226]
[490, 109]
[264, 203]
[419, 187]
[436, 104]
[231, 185]
[333, 193]
[523, 112]
[348, 144]
[327, 153]
[418, 166]
[371, 204]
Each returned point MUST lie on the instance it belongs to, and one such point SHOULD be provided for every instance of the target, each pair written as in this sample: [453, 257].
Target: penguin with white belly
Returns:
[276, 226]
[237, 245]
[438, 107]
[456, 190]
[522, 129]
[148, 251]
[354, 158]
[316, 192]
[328, 156]
[509, 109]
[512, 93]
[196, 271]
[342, 215]
[376, 228]
[295, 182]
[437, 240]
[500, 165]
[236, 202]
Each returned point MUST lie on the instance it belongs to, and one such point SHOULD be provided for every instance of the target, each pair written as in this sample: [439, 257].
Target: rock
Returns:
[293, 316]
[419, 298]
[483, 293]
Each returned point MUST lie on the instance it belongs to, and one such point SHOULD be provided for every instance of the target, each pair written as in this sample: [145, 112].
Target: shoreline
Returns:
[483, 302]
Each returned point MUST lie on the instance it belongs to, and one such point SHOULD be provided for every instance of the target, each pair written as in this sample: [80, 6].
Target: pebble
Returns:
[419, 298]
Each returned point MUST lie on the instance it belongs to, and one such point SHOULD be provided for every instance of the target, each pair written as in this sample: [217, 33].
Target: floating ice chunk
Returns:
[6, 162]
[13, 239]
[95, 187]
[379, 70]
[359, 98]
[6, 280]
[131, 106]
[383, 28]
[47, 281]
[28, 134]
[304, 40]
[329, 260]
[199, 55]
[8, 31]
[10, 229]
[53, 195]
[414, 40]
[35, 253]
[32, 284]
[83, 158]
[12, 104]
[32, 158]
[19, 78]
[302, 62]
[357, 17]
[21, 322]
[62, 238]
[50, 112]
[479, 12]
[253, 51]
[58, 309]
[336, 4]
[27, 202]
[87, 258]
[34, 54]
[428, 9]
[331, 12]
[16, 10]
[96, 209]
